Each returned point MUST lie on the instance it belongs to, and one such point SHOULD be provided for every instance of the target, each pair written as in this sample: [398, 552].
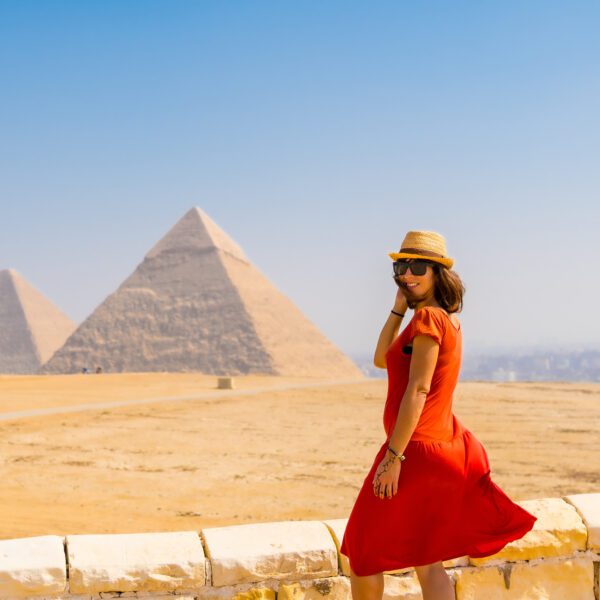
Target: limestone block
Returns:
[60, 596]
[401, 587]
[551, 579]
[32, 566]
[558, 531]
[278, 550]
[329, 588]
[461, 561]
[153, 594]
[256, 594]
[245, 591]
[337, 528]
[149, 596]
[124, 562]
[158, 596]
[588, 506]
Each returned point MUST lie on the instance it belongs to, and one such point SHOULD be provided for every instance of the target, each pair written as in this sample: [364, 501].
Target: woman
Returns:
[429, 496]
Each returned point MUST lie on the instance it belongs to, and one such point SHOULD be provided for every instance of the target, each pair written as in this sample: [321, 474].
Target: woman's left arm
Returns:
[422, 365]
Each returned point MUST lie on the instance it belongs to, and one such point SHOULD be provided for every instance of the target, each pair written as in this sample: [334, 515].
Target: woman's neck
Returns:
[430, 301]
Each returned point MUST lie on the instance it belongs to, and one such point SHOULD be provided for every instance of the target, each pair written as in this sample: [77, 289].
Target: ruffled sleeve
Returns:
[427, 322]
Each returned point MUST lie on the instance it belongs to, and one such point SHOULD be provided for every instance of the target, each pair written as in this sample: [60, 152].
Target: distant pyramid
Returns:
[31, 327]
[196, 303]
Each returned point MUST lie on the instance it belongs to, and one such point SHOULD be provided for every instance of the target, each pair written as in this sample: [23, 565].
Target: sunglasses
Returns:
[417, 267]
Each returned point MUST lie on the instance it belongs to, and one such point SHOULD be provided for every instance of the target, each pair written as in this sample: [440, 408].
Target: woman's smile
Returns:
[410, 286]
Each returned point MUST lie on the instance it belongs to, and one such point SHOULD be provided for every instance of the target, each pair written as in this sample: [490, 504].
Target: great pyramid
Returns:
[196, 303]
[31, 327]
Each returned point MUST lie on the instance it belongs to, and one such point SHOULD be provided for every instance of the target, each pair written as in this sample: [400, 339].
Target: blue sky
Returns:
[316, 134]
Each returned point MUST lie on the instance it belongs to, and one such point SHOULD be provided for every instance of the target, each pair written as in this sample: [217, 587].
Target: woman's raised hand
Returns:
[400, 304]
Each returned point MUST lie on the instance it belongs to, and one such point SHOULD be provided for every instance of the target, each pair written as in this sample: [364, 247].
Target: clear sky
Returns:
[316, 134]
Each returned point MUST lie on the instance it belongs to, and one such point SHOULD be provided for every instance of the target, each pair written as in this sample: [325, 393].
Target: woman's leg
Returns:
[367, 587]
[435, 583]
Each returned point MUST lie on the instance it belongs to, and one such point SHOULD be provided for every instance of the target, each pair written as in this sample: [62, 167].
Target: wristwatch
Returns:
[400, 457]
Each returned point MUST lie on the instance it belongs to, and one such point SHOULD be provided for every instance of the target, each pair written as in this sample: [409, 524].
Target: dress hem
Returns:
[453, 555]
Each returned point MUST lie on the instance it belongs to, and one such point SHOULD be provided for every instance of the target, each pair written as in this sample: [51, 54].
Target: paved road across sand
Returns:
[36, 412]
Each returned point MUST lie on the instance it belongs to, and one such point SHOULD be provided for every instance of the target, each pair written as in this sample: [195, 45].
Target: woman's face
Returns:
[417, 288]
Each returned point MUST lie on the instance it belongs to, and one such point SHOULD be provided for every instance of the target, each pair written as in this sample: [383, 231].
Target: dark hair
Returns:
[449, 289]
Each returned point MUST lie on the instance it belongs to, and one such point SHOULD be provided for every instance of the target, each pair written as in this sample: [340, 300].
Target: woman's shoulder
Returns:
[435, 312]
[438, 315]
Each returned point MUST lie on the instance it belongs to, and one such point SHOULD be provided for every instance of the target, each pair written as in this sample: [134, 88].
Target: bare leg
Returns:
[435, 583]
[367, 587]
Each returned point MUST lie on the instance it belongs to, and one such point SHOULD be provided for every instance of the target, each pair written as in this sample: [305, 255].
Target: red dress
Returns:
[447, 505]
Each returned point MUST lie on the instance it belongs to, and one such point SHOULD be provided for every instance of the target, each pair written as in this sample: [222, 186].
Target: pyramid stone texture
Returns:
[31, 327]
[196, 303]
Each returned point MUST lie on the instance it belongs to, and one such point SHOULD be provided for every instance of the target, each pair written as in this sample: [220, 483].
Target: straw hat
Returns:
[424, 244]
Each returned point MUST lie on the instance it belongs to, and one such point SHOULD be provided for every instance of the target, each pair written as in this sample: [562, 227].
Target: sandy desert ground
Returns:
[271, 449]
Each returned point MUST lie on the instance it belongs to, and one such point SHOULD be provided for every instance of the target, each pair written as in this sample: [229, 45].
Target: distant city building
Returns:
[581, 365]
[504, 375]
[539, 365]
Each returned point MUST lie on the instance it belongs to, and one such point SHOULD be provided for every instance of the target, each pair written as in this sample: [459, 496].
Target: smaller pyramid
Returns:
[31, 327]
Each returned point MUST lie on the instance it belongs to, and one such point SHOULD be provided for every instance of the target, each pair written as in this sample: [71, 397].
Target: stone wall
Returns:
[298, 560]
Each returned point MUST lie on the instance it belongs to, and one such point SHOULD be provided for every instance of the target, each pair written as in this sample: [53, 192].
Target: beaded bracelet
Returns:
[396, 455]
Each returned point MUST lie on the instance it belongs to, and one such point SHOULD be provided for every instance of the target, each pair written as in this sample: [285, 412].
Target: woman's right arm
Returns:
[390, 330]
